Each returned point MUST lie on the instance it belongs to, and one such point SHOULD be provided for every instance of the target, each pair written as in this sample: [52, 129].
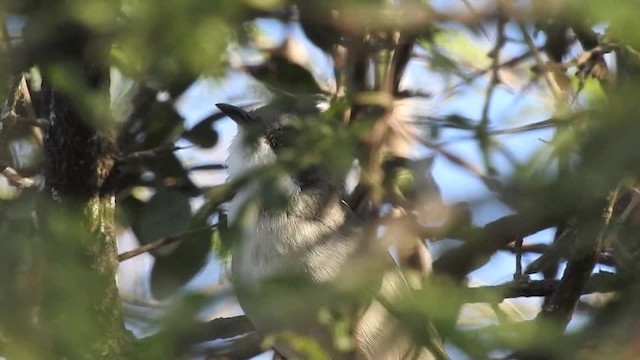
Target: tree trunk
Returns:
[81, 312]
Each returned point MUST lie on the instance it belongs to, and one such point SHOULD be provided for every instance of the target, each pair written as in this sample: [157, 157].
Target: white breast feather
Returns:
[270, 239]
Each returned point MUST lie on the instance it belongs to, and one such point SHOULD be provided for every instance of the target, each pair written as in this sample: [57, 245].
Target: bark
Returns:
[81, 313]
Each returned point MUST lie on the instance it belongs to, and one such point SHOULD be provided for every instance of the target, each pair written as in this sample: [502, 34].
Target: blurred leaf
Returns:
[453, 52]
[20, 208]
[167, 213]
[20, 275]
[456, 121]
[281, 74]
[153, 46]
[162, 171]
[174, 270]
[162, 125]
[128, 212]
[151, 124]
[204, 134]
[265, 4]
[316, 19]
[170, 172]
[442, 63]
[302, 344]
[20, 146]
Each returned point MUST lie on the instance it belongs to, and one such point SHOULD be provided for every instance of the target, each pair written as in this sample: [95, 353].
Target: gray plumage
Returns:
[313, 244]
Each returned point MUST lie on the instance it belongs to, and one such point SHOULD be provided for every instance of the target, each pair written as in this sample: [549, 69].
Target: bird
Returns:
[295, 259]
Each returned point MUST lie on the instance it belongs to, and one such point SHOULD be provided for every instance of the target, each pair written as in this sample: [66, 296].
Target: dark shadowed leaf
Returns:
[162, 125]
[173, 270]
[129, 211]
[203, 134]
[167, 213]
[151, 124]
[279, 73]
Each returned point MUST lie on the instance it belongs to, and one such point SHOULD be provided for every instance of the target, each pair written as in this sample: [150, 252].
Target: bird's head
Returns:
[262, 134]
[266, 133]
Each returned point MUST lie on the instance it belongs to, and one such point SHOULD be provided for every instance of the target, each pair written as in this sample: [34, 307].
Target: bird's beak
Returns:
[240, 116]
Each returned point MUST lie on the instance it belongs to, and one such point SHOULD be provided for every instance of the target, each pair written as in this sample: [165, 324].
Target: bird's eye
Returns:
[281, 137]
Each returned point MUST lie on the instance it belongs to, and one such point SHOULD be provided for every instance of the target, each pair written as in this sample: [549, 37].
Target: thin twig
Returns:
[221, 328]
[603, 259]
[563, 301]
[597, 283]
[208, 167]
[494, 54]
[490, 182]
[483, 139]
[457, 263]
[245, 347]
[509, 63]
[518, 251]
[473, 11]
[543, 124]
[160, 243]
[398, 63]
[144, 155]
[551, 83]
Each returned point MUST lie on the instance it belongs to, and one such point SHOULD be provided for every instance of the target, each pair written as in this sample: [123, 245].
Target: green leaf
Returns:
[167, 213]
[162, 125]
[174, 270]
[281, 74]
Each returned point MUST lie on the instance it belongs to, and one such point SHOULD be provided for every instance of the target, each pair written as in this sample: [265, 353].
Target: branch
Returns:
[483, 242]
[603, 259]
[8, 115]
[478, 73]
[208, 167]
[399, 61]
[597, 283]
[563, 301]
[160, 243]
[555, 89]
[242, 348]
[144, 155]
[495, 67]
[489, 181]
[114, 178]
[218, 329]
